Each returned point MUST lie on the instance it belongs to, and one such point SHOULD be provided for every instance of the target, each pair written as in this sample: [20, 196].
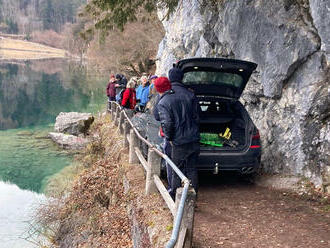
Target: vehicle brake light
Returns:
[255, 146]
[256, 136]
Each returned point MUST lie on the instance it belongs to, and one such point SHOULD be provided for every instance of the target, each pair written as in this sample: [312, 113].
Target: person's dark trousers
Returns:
[141, 108]
[169, 172]
[185, 157]
[111, 98]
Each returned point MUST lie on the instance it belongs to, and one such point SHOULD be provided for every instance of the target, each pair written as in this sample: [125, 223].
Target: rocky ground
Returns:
[233, 213]
[101, 211]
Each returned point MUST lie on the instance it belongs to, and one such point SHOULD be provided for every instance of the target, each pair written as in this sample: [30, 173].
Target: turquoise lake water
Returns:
[32, 94]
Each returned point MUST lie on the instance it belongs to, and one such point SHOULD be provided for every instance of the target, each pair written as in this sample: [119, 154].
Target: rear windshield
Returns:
[212, 77]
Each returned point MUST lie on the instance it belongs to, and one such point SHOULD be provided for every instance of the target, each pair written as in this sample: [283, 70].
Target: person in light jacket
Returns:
[142, 94]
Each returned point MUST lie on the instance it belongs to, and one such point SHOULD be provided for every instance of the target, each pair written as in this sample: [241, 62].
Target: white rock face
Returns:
[288, 95]
[73, 123]
[320, 11]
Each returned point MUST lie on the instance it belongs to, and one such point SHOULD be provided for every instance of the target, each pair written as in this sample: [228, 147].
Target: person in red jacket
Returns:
[129, 96]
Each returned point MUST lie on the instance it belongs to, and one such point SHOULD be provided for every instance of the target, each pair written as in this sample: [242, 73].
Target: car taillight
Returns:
[256, 140]
[256, 135]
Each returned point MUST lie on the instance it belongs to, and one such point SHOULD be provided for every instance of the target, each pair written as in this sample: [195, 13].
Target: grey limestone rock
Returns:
[148, 127]
[73, 123]
[68, 141]
[320, 11]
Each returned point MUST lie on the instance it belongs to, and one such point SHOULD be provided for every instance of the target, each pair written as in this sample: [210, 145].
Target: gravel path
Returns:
[231, 213]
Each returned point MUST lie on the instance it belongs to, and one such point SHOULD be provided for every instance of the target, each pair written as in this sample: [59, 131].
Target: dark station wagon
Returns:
[218, 85]
[229, 139]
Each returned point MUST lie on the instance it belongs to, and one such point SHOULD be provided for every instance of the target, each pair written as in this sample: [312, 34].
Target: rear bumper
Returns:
[246, 162]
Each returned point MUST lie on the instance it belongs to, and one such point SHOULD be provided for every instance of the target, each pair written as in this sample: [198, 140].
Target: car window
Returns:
[212, 77]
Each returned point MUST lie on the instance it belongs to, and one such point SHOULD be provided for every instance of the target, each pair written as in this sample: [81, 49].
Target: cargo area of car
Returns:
[223, 124]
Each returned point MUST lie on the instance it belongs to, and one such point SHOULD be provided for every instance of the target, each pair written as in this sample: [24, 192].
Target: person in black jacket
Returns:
[178, 112]
[121, 82]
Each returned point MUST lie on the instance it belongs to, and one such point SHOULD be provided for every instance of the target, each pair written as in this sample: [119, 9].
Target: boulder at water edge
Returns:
[68, 141]
[73, 123]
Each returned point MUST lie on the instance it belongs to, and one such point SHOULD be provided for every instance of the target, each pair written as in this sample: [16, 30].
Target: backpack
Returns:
[123, 81]
[119, 98]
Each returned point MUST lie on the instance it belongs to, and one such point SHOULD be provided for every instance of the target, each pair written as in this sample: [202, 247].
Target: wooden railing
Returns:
[183, 207]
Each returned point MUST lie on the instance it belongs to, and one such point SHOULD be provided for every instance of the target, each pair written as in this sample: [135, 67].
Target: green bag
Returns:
[211, 139]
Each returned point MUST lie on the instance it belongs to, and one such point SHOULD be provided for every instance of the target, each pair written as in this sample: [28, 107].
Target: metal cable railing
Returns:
[177, 213]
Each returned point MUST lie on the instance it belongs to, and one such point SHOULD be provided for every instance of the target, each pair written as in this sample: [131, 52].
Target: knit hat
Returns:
[153, 77]
[162, 84]
[175, 75]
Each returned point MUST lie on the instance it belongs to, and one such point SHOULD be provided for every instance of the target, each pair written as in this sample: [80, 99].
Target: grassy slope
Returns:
[23, 50]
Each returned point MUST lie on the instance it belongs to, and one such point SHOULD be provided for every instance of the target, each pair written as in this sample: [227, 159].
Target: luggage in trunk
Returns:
[219, 119]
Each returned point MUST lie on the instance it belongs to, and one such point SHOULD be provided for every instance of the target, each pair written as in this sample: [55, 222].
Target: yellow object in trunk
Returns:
[227, 134]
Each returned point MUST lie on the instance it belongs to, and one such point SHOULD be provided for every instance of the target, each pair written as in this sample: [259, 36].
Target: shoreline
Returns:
[13, 49]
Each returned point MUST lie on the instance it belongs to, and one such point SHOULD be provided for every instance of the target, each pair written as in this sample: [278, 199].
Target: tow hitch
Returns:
[216, 169]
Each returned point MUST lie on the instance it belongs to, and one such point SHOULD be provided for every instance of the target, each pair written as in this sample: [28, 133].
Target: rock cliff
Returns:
[288, 95]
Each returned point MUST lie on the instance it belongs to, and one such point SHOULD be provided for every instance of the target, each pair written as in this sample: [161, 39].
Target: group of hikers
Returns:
[133, 94]
[176, 108]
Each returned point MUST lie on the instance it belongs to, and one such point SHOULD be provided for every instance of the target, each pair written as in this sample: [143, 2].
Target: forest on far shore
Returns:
[66, 25]
[26, 16]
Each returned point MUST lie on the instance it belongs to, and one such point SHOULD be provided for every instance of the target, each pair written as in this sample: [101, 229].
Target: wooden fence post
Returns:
[113, 108]
[187, 224]
[117, 115]
[121, 121]
[133, 142]
[126, 132]
[153, 169]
